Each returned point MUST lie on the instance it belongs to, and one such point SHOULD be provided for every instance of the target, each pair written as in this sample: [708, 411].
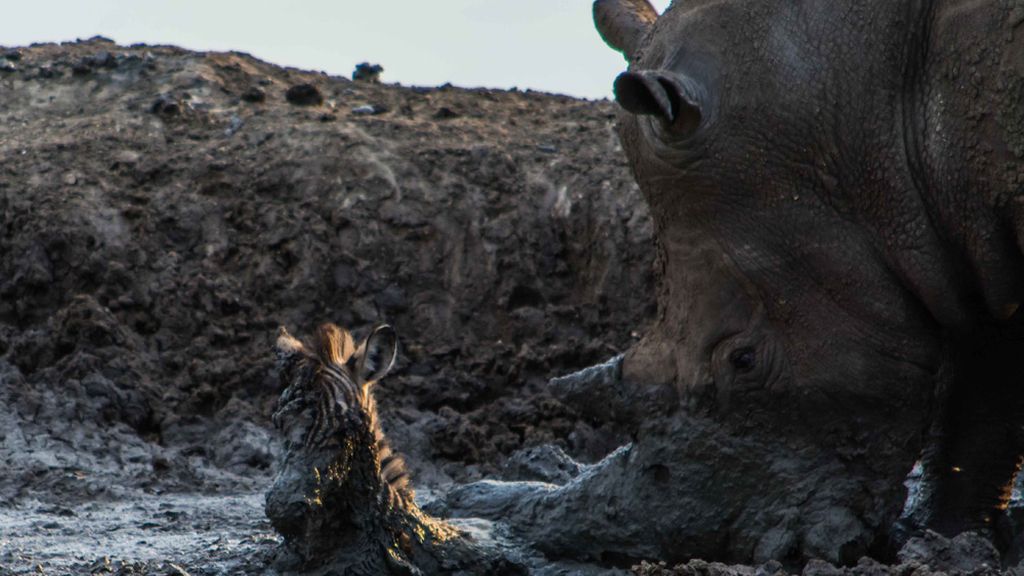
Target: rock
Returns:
[176, 570]
[8, 67]
[104, 59]
[234, 125]
[445, 113]
[771, 568]
[821, 568]
[967, 552]
[367, 72]
[165, 105]
[244, 445]
[369, 110]
[254, 94]
[81, 68]
[304, 95]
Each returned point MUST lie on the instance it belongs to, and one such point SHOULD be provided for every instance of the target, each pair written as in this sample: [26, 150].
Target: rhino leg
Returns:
[979, 452]
[688, 488]
[601, 515]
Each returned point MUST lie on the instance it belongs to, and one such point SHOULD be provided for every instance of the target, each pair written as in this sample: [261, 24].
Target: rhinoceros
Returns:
[837, 189]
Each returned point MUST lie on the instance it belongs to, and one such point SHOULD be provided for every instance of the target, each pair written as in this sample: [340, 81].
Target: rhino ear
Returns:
[623, 24]
[671, 97]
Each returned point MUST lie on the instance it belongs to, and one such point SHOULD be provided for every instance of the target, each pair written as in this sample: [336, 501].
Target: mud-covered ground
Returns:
[162, 212]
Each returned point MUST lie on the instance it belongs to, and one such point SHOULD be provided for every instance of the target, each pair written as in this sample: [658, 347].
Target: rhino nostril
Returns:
[685, 117]
[665, 95]
[642, 93]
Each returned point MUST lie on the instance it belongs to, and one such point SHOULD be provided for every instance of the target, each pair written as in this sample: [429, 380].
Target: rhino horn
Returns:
[623, 24]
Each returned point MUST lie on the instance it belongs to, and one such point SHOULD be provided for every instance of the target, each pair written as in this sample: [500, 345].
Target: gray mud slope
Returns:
[163, 211]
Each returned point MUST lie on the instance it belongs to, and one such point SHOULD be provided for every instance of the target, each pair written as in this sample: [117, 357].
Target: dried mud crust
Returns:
[148, 534]
[926, 555]
[163, 211]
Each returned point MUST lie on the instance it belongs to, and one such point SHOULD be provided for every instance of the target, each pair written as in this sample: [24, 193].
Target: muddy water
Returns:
[160, 534]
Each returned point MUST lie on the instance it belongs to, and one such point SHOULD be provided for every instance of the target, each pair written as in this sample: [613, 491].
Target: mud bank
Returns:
[163, 211]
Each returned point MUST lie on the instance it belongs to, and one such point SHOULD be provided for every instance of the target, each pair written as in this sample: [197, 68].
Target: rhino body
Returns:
[837, 190]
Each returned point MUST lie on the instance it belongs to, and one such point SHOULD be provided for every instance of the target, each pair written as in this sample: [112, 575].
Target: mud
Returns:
[143, 534]
[158, 222]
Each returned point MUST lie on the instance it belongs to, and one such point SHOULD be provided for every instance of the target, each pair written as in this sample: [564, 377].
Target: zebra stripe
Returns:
[337, 395]
[336, 391]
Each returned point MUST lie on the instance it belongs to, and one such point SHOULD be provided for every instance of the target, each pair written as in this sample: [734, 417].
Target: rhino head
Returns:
[788, 308]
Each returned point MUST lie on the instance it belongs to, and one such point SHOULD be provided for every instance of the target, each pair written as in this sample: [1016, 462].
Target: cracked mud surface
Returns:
[145, 534]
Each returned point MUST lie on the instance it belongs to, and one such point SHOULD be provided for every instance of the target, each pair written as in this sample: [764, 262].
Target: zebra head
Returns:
[328, 382]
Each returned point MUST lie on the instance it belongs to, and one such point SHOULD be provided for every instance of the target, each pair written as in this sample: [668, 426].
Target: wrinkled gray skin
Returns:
[838, 195]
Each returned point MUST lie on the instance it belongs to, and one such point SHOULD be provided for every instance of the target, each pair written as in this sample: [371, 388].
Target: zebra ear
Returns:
[286, 345]
[377, 354]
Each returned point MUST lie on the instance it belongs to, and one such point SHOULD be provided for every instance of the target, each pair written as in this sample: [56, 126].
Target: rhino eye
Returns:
[744, 359]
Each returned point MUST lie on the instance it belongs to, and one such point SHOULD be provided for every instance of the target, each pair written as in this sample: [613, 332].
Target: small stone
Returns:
[81, 68]
[234, 125]
[177, 570]
[370, 109]
[101, 565]
[770, 568]
[367, 72]
[304, 95]
[8, 67]
[104, 59]
[816, 567]
[254, 94]
[445, 113]
[548, 148]
[13, 55]
[165, 106]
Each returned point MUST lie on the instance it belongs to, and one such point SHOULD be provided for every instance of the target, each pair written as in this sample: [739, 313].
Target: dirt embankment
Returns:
[163, 211]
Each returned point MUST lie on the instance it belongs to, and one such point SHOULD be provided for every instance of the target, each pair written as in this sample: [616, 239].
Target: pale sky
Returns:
[548, 45]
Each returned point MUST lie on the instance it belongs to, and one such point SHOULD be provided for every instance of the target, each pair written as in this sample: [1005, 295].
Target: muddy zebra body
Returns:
[337, 378]
[341, 498]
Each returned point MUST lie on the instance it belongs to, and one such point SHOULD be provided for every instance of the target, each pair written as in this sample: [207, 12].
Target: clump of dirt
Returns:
[927, 555]
[163, 211]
